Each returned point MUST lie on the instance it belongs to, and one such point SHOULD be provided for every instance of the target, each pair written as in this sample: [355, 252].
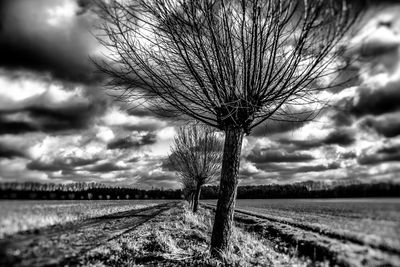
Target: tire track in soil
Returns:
[57, 245]
[316, 245]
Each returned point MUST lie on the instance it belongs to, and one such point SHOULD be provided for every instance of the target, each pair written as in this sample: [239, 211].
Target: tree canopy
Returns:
[225, 63]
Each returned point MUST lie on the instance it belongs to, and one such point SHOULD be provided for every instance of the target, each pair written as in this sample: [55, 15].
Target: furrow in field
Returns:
[357, 238]
[342, 235]
[317, 243]
[317, 246]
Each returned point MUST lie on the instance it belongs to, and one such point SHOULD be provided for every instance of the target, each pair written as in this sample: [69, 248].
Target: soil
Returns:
[323, 248]
[60, 244]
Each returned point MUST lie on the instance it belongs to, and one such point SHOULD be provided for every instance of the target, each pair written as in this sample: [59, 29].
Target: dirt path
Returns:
[57, 245]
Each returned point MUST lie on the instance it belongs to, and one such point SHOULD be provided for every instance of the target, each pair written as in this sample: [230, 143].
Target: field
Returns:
[373, 221]
[328, 232]
[166, 234]
[362, 224]
[21, 215]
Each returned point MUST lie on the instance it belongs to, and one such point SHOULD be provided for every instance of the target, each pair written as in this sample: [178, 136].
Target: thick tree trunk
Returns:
[227, 191]
[196, 199]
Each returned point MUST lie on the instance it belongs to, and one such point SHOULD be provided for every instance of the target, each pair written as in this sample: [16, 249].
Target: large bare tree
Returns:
[196, 154]
[232, 65]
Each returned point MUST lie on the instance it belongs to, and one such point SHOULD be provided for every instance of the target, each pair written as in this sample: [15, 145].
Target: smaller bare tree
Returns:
[196, 154]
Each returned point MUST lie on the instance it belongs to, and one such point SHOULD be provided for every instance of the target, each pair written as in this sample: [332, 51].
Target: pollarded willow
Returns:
[232, 65]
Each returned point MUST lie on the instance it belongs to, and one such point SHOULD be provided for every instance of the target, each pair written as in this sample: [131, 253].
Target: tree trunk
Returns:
[191, 200]
[227, 191]
[196, 199]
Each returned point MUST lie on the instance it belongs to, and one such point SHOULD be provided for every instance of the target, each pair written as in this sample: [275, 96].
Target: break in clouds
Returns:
[58, 123]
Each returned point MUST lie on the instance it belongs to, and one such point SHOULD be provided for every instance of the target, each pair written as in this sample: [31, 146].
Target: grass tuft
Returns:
[160, 242]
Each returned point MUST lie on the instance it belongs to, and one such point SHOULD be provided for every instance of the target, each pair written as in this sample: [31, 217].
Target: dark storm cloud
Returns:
[134, 159]
[140, 111]
[385, 154]
[288, 169]
[376, 102]
[246, 173]
[293, 145]
[15, 127]
[340, 118]
[260, 156]
[60, 107]
[373, 49]
[9, 152]
[85, 5]
[275, 127]
[133, 142]
[167, 165]
[143, 126]
[390, 150]
[380, 45]
[47, 167]
[49, 119]
[387, 125]
[136, 122]
[317, 168]
[28, 41]
[341, 136]
[372, 43]
[107, 167]
[66, 165]
[63, 118]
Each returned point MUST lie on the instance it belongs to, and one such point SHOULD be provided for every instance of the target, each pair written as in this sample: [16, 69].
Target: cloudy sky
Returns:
[58, 123]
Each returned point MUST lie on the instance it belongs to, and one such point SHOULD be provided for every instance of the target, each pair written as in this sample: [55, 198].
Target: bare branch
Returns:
[196, 155]
[224, 63]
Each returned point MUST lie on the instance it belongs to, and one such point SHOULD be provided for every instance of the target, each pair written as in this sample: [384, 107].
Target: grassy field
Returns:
[370, 221]
[21, 215]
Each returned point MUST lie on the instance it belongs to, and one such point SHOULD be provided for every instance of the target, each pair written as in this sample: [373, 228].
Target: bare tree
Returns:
[232, 65]
[196, 156]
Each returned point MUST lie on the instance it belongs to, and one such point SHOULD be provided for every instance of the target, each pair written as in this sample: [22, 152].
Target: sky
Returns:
[59, 124]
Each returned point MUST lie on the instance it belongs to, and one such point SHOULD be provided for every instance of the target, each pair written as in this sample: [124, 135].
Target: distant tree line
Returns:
[81, 191]
[97, 191]
[310, 190]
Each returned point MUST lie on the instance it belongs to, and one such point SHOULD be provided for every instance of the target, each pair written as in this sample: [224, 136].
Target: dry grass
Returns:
[180, 238]
[18, 216]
